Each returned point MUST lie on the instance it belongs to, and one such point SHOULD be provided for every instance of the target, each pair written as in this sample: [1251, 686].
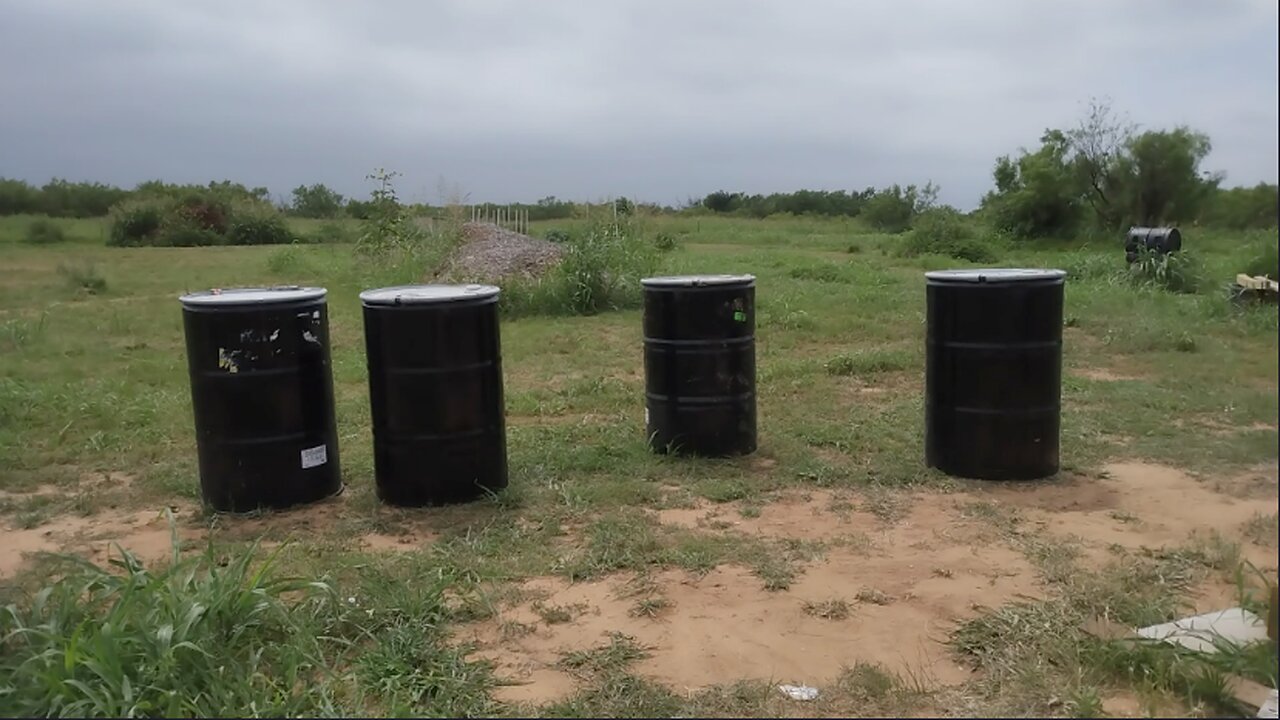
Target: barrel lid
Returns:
[995, 275]
[253, 295]
[696, 280]
[423, 294]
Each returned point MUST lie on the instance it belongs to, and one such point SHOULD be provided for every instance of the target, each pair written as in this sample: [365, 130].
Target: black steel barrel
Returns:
[435, 392]
[700, 364]
[993, 372]
[262, 392]
[1163, 240]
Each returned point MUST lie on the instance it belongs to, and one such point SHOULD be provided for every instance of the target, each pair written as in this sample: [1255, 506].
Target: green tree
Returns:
[16, 197]
[1038, 194]
[1096, 146]
[1241, 208]
[1160, 176]
[893, 208]
[316, 201]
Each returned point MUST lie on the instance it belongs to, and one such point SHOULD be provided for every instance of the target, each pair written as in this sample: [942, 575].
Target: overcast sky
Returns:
[655, 100]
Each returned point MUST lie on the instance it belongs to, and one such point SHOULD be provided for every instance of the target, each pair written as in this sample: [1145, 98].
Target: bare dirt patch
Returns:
[381, 542]
[901, 583]
[144, 533]
[904, 585]
[1139, 505]
[1102, 375]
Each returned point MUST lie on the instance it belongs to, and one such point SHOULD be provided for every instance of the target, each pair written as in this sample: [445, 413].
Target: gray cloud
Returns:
[659, 100]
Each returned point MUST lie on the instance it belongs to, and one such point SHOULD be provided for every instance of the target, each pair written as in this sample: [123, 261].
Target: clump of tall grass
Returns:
[201, 636]
[83, 277]
[944, 231]
[600, 270]
[1177, 272]
[44, 231]
[192, 639]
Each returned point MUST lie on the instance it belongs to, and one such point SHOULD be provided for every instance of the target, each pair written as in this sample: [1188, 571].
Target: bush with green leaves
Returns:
[389, 230]
[255, 224]
[1177, 272]
[556, 236]
[43, 231]
[136, 222]
[944, 231]
[893, 209]
[195, 219]
[665, 241]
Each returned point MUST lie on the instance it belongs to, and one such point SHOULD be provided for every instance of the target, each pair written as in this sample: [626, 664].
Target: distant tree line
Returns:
[1101, 174]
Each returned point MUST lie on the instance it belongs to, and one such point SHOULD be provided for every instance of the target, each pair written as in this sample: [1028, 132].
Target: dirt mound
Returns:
[489, 253]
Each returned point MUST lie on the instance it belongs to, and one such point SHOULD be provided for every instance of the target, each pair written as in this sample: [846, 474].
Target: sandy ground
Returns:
[905, 582]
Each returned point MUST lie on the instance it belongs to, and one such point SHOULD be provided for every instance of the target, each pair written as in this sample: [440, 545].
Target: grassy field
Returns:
[608, 580]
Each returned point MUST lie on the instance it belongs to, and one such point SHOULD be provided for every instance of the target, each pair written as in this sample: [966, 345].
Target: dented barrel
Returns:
[262, 394]
[993, 372]
[435, 392]
[700, 364]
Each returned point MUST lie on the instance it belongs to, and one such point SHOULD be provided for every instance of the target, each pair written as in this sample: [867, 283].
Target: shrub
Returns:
[43, 231]
[83, 278]
[944, 231]
[181, 230]
[1179, 272]
[893, 208]
[257, 225]
[333, 232]
[557, 236]
[868, 362]
[205, 211]
[1265, 259]
[1093, 266]
[195, 220]
[601, 270]
[288, 260]
[136, 222]
[818, 272]
[666, 242]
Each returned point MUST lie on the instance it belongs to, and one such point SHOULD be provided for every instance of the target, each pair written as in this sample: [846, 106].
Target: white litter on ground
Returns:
[1270, 708]
[1198, 633]
[803, 693]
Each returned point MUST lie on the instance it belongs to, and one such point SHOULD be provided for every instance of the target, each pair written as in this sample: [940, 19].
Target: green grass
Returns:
[93, 379]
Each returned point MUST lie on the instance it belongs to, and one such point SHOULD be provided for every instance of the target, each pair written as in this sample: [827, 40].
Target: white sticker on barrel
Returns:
[313, 457]
[646, 415]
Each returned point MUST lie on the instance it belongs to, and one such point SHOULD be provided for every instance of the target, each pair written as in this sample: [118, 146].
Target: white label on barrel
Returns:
[646, 415]
[311, 457]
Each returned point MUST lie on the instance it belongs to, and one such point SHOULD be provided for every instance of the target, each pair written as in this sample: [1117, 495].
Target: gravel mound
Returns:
[490, 253]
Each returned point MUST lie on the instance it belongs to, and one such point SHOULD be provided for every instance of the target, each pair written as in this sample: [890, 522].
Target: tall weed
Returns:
[601, 270]
[1180, 272]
